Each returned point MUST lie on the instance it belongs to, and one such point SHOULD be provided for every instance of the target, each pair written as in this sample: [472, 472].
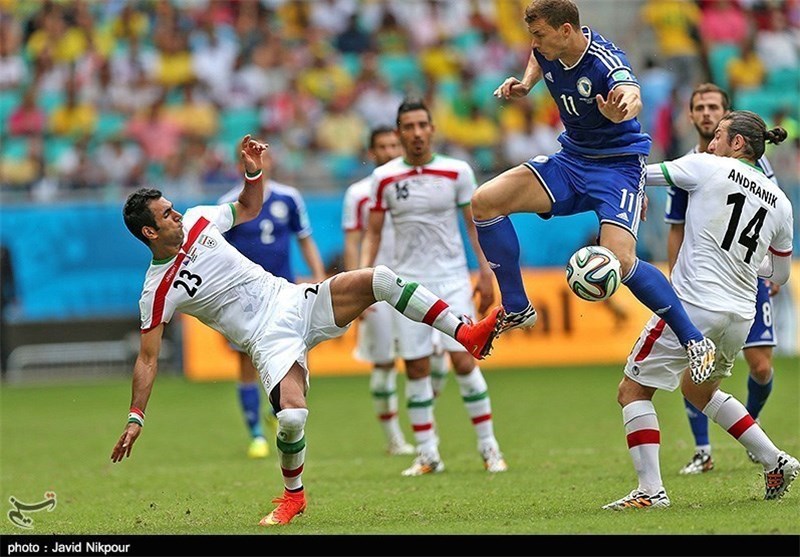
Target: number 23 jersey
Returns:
[210, 280]
[735, 216]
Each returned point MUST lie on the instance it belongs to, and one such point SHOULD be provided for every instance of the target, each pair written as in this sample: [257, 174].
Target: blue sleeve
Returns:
[677, 200]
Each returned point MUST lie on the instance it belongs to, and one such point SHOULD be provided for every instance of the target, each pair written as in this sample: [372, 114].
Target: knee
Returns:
[483, 205]
[382, 380]
[761, 371]
[292, 419]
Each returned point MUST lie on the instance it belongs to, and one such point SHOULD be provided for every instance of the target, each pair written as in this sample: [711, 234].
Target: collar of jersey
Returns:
[588, 34]
[163, 261]
[751, 165]
[405, 162]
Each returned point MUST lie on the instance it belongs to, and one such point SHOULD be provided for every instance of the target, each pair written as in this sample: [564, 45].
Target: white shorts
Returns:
[658, 359]
[418, 340]
[376, 339]
[304, 318]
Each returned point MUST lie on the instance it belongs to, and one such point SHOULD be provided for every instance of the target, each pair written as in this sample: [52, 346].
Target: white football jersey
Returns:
[424, 203]
[210, 280]
[735, 214]
[355, 216]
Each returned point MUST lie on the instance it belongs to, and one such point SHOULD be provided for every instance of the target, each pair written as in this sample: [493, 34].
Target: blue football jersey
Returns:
[678, 199]
[266, 239]
[587, 132]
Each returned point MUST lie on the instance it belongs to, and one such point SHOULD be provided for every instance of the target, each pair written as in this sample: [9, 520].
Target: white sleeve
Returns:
[350, 211]
[465, 186]
[686, 172]
[223, 216]
[776, 268]
[377, 200]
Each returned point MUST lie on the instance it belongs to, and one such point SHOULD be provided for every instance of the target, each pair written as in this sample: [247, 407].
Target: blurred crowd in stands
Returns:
[97, 98]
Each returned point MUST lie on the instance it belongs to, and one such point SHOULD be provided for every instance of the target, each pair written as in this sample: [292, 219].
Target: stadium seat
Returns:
[9, 100]
[351, 61]
[55, 147]
[400, 71]
[50, 100]
[784, 79]
[718, 58]
[13, 148]
[236, 123]
[109, 124]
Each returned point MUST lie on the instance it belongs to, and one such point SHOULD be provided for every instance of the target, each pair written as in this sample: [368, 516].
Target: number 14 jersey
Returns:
[735, 216]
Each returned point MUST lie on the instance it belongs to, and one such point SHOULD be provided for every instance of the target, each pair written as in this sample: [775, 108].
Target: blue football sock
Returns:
[652, 288]
[499, 243]
[698, 422]
[250, 400]
[757, 395]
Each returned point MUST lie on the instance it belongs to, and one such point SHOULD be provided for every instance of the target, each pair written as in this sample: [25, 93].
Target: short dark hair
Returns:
[137, 212]
[710, 88]
[380, 130]
[410, 104]
[754, 131]
[555, 12]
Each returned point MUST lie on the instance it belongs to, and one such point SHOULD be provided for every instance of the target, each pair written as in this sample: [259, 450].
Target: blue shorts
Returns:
[762, 333]
[611, 187]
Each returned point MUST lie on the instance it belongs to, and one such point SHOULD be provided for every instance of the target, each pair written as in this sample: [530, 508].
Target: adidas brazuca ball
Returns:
[593, 273]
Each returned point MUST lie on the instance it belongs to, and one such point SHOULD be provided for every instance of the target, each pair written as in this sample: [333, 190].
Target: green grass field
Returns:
[560, 429]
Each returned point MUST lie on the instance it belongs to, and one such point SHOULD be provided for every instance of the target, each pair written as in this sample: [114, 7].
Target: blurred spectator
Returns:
[157, 135]
[27, 118]
[331, 16]
[66, 43]
[745, 71]
[377, 103]
[353, 39]
[391, 38]
[340, 129]
[723, 22]
[213, 58]
[532, 139]
[73, 118]
[325, 80]
[675, 25]
[122, 160]
[195, 115]
[78, 170]
[13, 70]
[778, 46]
[174, 61]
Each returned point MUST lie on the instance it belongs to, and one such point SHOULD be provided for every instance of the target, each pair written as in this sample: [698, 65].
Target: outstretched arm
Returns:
[144, 374]
[251, 199]
[513, 88]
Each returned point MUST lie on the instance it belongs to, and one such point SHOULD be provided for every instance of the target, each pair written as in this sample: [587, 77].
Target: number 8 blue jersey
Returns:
[602, 67]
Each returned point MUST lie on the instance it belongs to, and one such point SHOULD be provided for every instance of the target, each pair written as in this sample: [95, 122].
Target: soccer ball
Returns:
[593, 273]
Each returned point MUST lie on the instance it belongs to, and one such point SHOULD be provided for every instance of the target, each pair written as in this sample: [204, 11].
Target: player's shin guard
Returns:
[292, 446]
[413, 300]
[419, 399]
[499, 242]
[475, 394]
[383, 388]
[644, 441]
[733, 417]
[652, 288]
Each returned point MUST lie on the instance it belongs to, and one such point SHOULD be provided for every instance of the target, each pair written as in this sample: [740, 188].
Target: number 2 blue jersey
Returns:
[266, 239]
[602, 67]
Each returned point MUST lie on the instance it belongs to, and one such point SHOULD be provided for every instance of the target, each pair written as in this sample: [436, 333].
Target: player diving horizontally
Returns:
[196, 271]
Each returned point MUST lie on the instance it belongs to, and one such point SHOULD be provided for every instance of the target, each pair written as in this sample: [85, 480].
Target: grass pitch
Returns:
[560, 429]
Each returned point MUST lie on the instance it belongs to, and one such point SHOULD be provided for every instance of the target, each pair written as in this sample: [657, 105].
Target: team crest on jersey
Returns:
[279, 210]
[584, 86]
[207, 241]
